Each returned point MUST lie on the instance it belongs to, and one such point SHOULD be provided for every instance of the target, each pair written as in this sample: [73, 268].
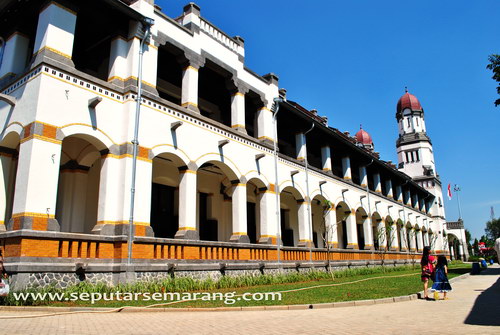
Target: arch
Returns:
[216, 186]
[296, 193]
[378, 230]
[321, 231]
[165, 182]
[255, 188]
[257, 181]
[254, 174]
[11, 140]
[318, 192]
[79, 183]
[222, 162]
[13, 127]
[168, 150]
[289, 183]
[291, 201]
[342, 213]
[399, 232]
[362, 228]
[391, 231]
[95, 136]
[9, 151]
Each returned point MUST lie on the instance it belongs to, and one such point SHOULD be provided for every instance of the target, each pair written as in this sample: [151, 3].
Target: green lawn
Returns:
[353, 286]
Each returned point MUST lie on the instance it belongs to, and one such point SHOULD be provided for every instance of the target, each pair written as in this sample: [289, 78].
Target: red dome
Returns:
[408, 101]
[363, 137]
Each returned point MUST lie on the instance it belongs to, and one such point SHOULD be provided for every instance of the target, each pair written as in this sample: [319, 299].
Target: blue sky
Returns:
[351, 60]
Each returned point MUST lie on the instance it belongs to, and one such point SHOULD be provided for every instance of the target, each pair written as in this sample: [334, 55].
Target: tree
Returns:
[493, 229]
[494, 66]
[468, 237]
[329, 230]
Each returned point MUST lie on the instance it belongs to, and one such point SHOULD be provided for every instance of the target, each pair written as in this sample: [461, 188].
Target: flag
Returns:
[449, 191]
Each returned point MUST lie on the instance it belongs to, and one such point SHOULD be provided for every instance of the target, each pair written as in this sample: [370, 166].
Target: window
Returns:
[417, 121]
[408, 122]
[407, 159]
[417, 156]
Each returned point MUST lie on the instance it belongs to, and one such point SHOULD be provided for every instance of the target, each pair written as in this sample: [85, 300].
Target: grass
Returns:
[392, 282]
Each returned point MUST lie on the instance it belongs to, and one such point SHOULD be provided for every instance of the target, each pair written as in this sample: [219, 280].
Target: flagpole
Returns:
[457, 190]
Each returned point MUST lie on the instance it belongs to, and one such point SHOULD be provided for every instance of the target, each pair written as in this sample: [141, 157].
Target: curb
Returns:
[415, 296]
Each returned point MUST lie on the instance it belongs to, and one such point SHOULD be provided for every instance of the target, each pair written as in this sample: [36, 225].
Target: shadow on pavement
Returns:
[486, 307]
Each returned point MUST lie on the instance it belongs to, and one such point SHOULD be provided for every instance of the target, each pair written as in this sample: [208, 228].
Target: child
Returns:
[441, 283]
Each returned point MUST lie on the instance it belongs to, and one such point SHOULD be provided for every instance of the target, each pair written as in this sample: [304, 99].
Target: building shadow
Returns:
[486, 307]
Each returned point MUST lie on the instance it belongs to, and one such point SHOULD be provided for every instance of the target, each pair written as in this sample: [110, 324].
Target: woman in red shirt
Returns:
[427, 266]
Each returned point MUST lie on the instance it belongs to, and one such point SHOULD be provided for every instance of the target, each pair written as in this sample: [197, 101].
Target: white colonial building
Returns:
[210, 193]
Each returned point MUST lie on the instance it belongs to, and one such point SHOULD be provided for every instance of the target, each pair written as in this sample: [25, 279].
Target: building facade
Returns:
[211, 195]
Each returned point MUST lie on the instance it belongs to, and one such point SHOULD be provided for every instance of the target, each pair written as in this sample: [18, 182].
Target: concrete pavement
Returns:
[473, 308]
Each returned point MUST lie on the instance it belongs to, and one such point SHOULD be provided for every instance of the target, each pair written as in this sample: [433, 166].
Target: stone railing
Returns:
[218, 35]
[51, 246]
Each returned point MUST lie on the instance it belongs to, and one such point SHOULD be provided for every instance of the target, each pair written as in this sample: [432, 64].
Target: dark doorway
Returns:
[361, 236]
[286, 234]
[344, 234]
[208, 228]
[251, 222]
[163, 219]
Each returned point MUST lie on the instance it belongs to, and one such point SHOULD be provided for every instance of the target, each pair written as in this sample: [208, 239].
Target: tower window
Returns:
[417, 121]
[408, 122]
[417, 156]
[407, 159]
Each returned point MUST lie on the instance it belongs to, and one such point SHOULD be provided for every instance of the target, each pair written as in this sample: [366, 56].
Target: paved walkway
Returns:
[473, 308]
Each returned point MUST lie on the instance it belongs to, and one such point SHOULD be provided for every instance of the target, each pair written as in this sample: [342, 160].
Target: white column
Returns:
[363, 176]
[55, 31]
[388, 187]
[239, 210]
[189, 97]
[36, 185]
[408, 197]
[331, 226]
[376, 182]
[305, 239]
[238, 109]
[352, 236]
[399, 193]
[300, 146]
[188, 199]
[268, 218]
[118, 62]
[404, 241]
[382, 242]
[15, 55]
[412, 234]
[346, 168]
[420, 240]
[368, 233]
[326, 160]
[265, 125]
[394, 236]
[414, 200]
